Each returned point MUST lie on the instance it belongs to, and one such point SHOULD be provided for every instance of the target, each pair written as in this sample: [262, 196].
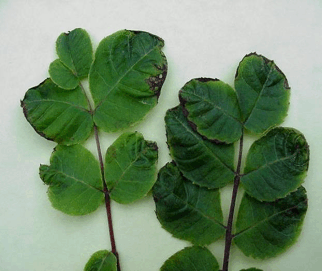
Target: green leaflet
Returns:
[276, 164]
[102, 260]
[201, 161]
[251, 269]
[74, 179]
[126, 78]
[191, 259]
[130, 167]
[186, 210]
[62, 76]
[267, 229]
[213, 107]
[75, 53]
[56, 114]
[263, 93]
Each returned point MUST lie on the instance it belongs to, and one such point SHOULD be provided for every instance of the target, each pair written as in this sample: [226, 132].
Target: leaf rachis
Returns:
[229, 235]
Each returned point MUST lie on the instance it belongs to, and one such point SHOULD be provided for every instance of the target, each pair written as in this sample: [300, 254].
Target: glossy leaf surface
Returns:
[263, 93]
[75, 54]
[267, 229]
[130, 167]
[213, 107]
[191, 259]
[126, 78]
[186, 210]
[201, 161]
[74, 179]
[102, 260]
[276, 164]
[56, 114]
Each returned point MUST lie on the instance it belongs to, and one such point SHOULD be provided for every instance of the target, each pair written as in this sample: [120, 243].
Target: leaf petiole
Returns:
[105, 189]
[229, 235]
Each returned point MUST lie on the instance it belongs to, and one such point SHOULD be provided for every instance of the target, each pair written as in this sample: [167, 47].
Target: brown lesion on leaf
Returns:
[155, 82]
[26, 114]
[206, 79]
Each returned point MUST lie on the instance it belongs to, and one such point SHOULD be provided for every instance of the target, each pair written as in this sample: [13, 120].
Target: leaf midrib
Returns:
[121, 78]
[202, 141]
[260, 93]
[268, 218]
[102, 263]
[126, 169]
[62, 102]
[196, 209]
[76, 180]
[218, 107]
[269, 164]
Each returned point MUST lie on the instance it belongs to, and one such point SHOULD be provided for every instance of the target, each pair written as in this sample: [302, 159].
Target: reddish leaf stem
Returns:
[107, 200]
[105, 189]
[229, 235]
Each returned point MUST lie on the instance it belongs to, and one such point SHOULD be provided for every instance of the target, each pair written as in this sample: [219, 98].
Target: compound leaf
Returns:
[201, 161]
[126, 78]
[191, 259]
[213, 107]
[102, 260]
[74, 179]
[276, 164]
[187, 211]
[130, 167]
[265, 229]
[263, 93]
[56, 114]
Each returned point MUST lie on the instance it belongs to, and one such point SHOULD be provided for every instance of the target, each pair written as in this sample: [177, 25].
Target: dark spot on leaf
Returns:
[205, 79]
[286, 85]
[136, 32]
[155, 82]
[152, 145]
[183, 104]
[25, 112]
[248, 55]
[156, 199]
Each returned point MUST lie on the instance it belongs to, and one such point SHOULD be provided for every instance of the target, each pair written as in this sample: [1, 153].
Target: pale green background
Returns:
[202, 38]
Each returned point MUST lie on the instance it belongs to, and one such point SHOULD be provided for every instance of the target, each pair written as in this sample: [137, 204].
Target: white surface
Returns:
[202, 38]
